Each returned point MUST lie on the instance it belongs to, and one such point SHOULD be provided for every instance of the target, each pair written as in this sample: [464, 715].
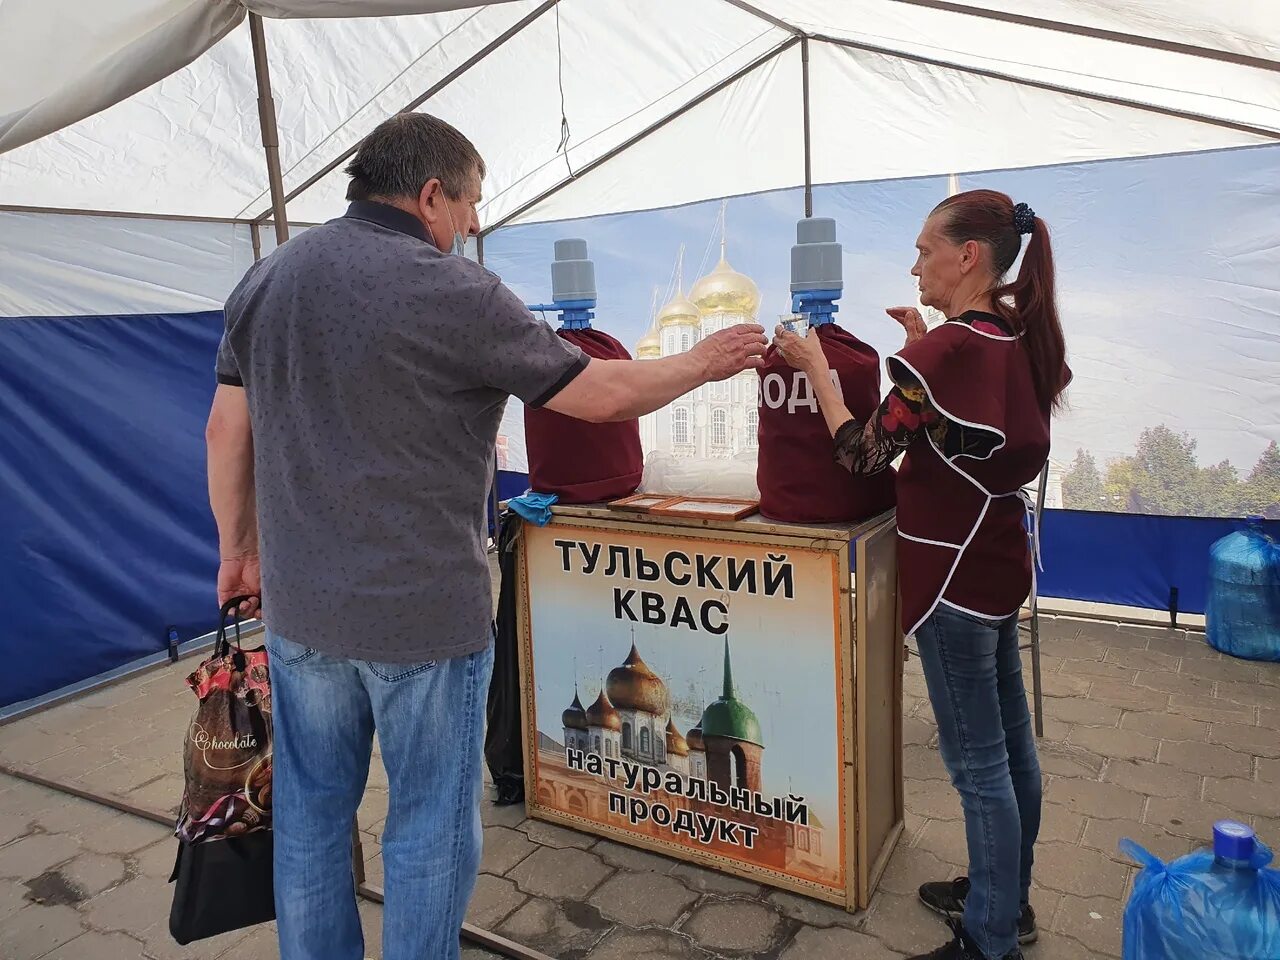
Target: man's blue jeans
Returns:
[429, 718]
[974, 675]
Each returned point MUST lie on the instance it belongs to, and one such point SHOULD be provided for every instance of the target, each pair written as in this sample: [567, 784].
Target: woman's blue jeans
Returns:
[974, 675]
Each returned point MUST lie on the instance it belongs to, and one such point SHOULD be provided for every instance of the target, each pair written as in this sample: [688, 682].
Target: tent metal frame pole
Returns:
[256, 236]
[418, 101]
[102, 799]
[1052, 87]
[133, 215]
[495, 497]
[767, 17]
[270, 132]
[118, 214]
[808, 139]
[1097, 33]
[772, 54]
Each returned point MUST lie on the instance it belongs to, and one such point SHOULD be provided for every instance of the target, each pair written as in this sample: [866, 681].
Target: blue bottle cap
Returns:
[1232, 840]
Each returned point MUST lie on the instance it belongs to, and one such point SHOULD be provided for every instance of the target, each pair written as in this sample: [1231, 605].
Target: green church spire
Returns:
[728, 693]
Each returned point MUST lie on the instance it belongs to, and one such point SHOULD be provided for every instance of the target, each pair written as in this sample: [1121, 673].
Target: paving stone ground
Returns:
[1149, 734]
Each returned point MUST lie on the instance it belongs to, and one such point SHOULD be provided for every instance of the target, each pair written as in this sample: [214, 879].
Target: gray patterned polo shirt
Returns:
[377, 369]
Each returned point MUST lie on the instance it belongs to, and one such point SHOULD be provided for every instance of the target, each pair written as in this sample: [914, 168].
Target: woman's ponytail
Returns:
[1029, 302]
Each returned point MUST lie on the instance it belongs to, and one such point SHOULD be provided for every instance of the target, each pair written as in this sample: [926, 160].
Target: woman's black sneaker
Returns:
[960, 947]
[947, 898]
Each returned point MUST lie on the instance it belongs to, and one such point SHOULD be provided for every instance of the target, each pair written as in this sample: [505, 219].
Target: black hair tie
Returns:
[1024, 219]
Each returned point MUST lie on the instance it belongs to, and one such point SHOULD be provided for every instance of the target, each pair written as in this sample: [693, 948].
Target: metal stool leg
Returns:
[1036, 690]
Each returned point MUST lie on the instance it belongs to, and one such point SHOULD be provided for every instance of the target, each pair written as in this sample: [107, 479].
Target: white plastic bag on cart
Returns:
[698, 477]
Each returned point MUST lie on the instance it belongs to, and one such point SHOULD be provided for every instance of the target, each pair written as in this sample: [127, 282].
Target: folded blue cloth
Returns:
[534, 507]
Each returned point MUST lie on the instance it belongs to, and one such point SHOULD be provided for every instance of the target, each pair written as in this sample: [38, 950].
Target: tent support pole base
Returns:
[469, 932]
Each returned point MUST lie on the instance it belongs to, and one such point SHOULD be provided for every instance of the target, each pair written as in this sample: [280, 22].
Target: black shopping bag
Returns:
[223, 874]
[221, 885]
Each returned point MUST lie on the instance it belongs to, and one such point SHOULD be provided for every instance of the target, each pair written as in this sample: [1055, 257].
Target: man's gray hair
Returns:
[401, 154]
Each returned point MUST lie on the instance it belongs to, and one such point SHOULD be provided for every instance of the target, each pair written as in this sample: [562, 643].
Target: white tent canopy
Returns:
[150, 106]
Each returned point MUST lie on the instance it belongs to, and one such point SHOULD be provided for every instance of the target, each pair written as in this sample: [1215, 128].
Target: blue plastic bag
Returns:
[1222, 903]
[1242, 616]
[534, 507]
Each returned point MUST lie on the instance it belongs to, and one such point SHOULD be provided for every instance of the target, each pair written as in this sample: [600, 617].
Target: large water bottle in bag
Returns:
[1242, 617]
[798, 477]
[581, 462]
[1222, 903]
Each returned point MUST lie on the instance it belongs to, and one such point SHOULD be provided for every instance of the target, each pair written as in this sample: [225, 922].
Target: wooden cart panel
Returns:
[689, 688]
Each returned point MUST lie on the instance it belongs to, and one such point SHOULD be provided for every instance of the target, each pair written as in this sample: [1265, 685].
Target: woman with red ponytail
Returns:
[970, 408]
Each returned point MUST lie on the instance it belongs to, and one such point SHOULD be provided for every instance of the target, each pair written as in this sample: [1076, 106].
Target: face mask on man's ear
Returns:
[459, 248]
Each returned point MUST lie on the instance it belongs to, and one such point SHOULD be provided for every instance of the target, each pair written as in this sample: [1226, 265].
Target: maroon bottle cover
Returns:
[583, 462]
[799, 479]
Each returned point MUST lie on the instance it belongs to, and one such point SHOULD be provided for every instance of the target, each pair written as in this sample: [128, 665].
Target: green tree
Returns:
[1162, 477]
[1165, 474]
[1082, 484]
[1220, 493]
[1261, 493]
[1118, 488]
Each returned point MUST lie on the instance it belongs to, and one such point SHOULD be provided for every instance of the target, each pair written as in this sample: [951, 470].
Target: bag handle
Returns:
[1139, 855]
[222, 645]
[222, 648]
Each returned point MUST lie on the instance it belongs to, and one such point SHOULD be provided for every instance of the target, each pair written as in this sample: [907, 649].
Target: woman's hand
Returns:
[911, 321]
[803, 353]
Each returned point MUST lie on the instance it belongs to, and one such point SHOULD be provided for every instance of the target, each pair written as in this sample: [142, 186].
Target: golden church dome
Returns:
[725, 290]
[633, 686]
[649, 347]
[680, 311]
[676, 744]
[602, 714]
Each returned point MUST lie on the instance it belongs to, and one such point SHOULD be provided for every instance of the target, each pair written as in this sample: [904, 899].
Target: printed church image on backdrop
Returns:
[716, 420]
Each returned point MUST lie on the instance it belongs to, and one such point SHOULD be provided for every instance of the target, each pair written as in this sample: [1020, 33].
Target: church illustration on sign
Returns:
[716, 420]
[631, 719]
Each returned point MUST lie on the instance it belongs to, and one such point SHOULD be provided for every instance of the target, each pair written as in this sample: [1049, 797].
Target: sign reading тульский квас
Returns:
[685, 692]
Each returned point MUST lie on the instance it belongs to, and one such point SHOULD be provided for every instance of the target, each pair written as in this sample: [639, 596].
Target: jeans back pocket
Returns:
[392, 672]
[285, 652]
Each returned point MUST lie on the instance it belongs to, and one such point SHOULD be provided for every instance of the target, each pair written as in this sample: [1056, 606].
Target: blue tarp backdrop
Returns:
[1131, 559]
[108, 539]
